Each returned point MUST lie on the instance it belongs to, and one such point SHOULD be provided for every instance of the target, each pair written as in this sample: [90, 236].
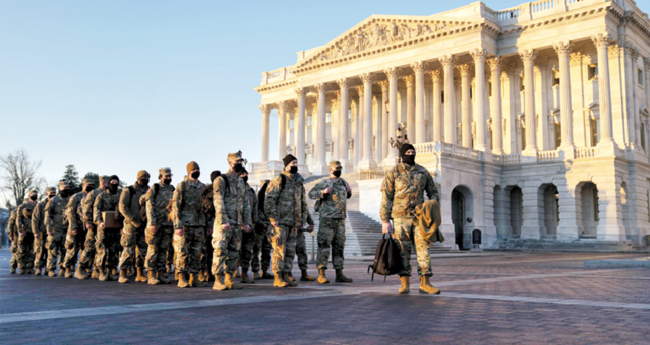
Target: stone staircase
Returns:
[580, 245]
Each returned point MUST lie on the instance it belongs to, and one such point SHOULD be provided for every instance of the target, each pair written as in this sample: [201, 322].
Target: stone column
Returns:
[300, 130]
[314, 131]
[282, 130]
[495, 105]
[567, 146]
[384, 133]
[320, 167]
[358, 141]
[528, 56]
[466, 128]
[410, 107]
[266, 112]
[450, 122]
[479, 100]
[391, 74]
[419, 126]
[601, 41]
[367, 162]
[377, 129]
[335, 126]
[437, 118]
[344, 131]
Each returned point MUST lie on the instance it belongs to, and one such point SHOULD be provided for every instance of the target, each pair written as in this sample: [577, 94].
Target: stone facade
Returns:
[533, 119]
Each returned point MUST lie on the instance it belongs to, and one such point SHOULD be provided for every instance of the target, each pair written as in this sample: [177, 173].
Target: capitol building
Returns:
[533, 120]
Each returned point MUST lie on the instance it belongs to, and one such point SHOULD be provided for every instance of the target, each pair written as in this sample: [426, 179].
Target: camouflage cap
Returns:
[63, 185]
[49, 190]
[165, 171]
[32, 192]
[88, 182]
[335, 164]
[104, 178]
[234, 157]
[142, 174]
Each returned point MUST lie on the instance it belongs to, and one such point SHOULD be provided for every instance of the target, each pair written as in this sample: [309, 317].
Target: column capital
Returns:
[495, 63]
[391, 72]
[409, 80]
[343, 82]
[314, 107]
[300, 91]
[265, 108]
[419, 66]
[528, 55]
[435, 74]
[282, 106]
[601, 40]
[359, 89]
[478, 54]
[366, 77]
[646, 63]
[575, 58]
[338, 94]
[447, 60]
[464, 69]
[384, 85]
[319, 87]
[563, 48]
[631, 50]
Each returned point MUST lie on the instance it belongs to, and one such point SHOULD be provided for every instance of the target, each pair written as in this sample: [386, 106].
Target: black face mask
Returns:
[143, 182]
[293, 169]
[337, 173]
[51, 196]
[237, 167]
[245, 178]
[409, 159]
[34, 197]
[64, 193]
[112, 188]
[89, 188]
[196, 174]
[167, 181]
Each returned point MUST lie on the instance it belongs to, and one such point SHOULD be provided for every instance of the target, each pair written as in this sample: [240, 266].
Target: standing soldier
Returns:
[402, 190]
[158, 233]
[189, 225]
[56, 226]
[248, 238]
[107, 240]
[331, 195]
[76, 231]
[133, 242]
[13, 237]
[207, 207]
[301, 252]
[286, 206]
[232, 214]
[25, 252]
[40, 233]
[87, 257]
[262, 243]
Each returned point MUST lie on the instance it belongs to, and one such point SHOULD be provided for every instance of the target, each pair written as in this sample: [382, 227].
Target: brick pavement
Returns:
[503, 298]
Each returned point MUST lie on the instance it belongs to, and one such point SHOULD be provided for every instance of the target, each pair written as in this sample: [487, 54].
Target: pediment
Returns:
[644, 111]
[380, 32]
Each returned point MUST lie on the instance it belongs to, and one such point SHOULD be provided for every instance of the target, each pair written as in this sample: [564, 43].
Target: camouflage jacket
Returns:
[157, 204]
[23, 222]
[104, 202]
[74, 210]
[252, 203]
[231, 203]
[11, 225]
[186, 207]
[289, 206]
[88, 206]
[331, 205]
[402, 189]
[38, 217]
[130, 204]
[55, 215]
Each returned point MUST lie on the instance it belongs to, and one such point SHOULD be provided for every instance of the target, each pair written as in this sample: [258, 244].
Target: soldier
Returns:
[232, 215]
[12, 234]
[40, 233]
[158, 233]
[87, 257]
[56, 226]
[25, 252]
[207, 206]
[133, 241]
[286, 206]
[301, 252]
[331, 195]
[248, 238]
[262, 243]
[189, 225]
[402, 190]
[107, 240]
[76, 231]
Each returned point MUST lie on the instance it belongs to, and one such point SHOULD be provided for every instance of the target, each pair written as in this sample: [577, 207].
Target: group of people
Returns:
[207, 232]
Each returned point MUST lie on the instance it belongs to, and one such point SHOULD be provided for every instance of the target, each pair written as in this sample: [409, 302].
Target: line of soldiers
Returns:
[205, 231]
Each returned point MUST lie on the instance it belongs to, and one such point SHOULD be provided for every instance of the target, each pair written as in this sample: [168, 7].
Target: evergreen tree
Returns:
[93, 177]
[72, 177]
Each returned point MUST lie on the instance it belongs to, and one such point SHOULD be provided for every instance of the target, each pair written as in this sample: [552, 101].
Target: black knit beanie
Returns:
[214, 175]
[288, 159]
[404, 148]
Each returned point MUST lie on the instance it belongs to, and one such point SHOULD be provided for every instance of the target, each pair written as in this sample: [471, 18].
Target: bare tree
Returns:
[19, 175]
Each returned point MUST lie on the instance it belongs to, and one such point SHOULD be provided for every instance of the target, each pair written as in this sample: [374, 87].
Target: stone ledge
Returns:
[634, 263]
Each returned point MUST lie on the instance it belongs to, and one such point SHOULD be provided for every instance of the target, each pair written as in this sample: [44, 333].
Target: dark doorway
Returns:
[458, 216]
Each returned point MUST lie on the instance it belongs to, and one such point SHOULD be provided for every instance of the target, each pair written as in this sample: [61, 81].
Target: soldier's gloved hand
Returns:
[36, 235]
[153, 229]
[89, 226]
[226, 226]
[348, 188]
[50, 233]
[247, 228]
[101, 225]
[275, 223]
[20, 234]
[136, 223]
[386, 228]
[311, 227]
[73, 231]
[327, 190]
[179, 232]
[209, 231]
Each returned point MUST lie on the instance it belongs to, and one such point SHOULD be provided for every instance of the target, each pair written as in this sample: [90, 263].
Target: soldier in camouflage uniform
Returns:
[25, 252]
[262, 243]
[158, 233]
[248, 238]
[332, 194]
[232, 215]
[205, 274]
[133, 238]
[189, 225]
[286, 206]
[301, 252]
[40, 233]
[108, 239]
[87, 256]
[13, 237]
[76, 231]
[402, 190]
[56, 226]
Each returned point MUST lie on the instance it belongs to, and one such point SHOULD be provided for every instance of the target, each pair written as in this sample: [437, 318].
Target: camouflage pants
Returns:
[134, 246]
[226, 243]
[246, 250]
[170, 253]
[158, 246]
[283, 239]
[301, 250]
[207, 254]
[187, 248]
[107, 244]
[55, 251]
[13, 248]
[331, 238]
[262, 245]
[25, 253]
[406, 234]
[73, 244]
[87, 256]
[40, 250]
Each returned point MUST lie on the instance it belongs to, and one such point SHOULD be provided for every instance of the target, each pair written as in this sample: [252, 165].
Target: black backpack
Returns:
[388, 260]
[207, 199]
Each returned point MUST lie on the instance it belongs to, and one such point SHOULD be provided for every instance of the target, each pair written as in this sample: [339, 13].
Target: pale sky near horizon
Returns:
[114, 87]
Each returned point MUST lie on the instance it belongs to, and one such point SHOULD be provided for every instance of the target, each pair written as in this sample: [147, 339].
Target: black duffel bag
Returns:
[388, 260]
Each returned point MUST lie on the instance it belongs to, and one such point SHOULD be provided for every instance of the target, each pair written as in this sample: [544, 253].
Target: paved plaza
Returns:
[494, 298]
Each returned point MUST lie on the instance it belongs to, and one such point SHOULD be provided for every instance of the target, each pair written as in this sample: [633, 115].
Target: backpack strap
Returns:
[225, 181]
[283, 182]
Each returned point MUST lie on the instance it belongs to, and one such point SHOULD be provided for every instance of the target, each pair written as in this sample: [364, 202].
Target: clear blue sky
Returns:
[118, 86]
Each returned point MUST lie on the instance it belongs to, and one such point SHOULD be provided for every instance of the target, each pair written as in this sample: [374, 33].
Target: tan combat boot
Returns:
[245, 279]
[182, 280]
[123, 277]
[203, 276]
[103, 276]
[341, 278]
[140, 278]
[257, 276]
[230, 282]
[51, 274]
[289, 279]
[304, 277]
[237, 274]
[79, 274]
[151, 278]
[69, 273]
[22, 271]
[322, 279]
[279, 282]
[195, 282]
[39, 271]
[218, 283]
[95, 274]
[177, 276]
[406, 285]
[13, 270]
[162, 276]
[426, 287]
[130, 272]
[267, 275]
[61, 271]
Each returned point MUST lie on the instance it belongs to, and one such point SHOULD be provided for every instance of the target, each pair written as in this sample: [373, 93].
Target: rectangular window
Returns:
[290, 124]
[596, 215]
[523, 138]
[522, 85]
[490, 89]
[471, 93]
[592, 72]
[442, 97]
[640, 77]
[309, 121]
[643, 136]
[595, 131]
[556, 78]
[328, 117]
[558, 135]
